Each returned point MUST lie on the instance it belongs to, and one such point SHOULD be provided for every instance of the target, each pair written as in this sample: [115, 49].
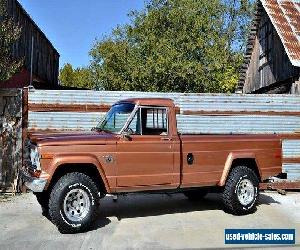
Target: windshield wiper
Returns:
[97, 129]
[100, 130]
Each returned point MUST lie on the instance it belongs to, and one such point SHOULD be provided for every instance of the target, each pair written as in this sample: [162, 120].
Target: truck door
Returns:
[145, 157]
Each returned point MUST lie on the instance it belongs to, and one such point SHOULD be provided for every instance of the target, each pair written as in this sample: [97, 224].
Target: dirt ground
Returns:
[152, 221]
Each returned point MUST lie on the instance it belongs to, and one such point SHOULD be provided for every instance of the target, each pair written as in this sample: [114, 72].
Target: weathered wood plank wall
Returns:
[11, 137]
[269, 70]
[45, 57]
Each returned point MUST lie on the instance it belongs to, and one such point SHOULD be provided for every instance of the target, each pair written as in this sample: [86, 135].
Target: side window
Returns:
[154, 121]
[149, 121]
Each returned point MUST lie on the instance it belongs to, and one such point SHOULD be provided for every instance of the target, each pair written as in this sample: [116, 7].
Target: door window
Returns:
[149, 121]
[154, 121]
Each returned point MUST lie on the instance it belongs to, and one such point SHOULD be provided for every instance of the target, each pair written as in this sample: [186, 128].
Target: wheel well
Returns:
[88, 169]
[248, 162]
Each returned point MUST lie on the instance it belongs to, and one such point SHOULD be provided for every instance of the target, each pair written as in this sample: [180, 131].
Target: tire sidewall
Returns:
[85, 187]
[255, 183]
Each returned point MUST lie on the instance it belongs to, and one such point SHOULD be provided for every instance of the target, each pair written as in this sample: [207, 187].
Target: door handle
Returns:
[190, 158]
[166, 139]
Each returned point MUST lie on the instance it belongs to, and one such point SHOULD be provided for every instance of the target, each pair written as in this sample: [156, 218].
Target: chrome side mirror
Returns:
[125, 135]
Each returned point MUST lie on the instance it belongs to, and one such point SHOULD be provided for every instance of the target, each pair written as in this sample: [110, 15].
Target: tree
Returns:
[9, 33]
[79, 77]
[175, 45]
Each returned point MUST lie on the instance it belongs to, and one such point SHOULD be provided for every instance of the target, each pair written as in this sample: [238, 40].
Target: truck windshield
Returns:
[116, 117]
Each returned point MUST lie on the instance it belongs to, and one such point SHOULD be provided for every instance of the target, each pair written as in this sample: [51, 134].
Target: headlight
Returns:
[35, 157]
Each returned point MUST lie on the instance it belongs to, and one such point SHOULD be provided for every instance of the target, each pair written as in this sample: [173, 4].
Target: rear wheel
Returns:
[73, 203]
[241, 191]
[195, 195]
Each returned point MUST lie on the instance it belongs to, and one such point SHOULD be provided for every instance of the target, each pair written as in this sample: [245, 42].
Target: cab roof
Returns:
[166, 102]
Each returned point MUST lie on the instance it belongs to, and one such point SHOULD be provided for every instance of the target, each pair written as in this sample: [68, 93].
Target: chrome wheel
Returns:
[245, 192]
[76, 205]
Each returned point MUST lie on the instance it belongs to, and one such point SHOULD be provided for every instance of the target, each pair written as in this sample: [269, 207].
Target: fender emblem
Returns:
[108, 158]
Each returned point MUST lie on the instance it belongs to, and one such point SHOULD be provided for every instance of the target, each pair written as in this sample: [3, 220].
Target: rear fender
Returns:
[229, 161]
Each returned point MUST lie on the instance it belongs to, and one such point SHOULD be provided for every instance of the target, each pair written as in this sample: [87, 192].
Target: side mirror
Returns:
[126, 136]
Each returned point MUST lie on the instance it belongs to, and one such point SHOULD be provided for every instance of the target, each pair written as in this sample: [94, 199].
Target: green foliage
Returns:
[175, 45]
[79, 77]
[9, 33]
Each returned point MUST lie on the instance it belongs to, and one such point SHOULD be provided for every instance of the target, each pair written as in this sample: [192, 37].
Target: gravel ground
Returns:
[152, 221]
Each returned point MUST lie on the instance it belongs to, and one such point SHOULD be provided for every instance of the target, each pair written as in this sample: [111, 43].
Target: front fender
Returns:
[228, 164]
[60, 160]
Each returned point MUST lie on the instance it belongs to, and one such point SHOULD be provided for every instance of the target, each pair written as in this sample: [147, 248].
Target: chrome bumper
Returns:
[37, 185]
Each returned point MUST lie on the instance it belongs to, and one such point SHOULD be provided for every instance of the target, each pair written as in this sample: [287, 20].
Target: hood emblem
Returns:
[108, 158]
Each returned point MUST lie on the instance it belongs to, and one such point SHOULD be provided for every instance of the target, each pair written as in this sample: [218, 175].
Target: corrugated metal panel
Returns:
[199, 102]
[90, 97]
[187, 124]
[238, 124]
[284, 16]
[239, 103]
[63, 120]
[291, 148]
[263, 106]
[292, 170]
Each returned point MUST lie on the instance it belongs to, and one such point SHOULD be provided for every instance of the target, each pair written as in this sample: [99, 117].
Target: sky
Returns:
[73, 25]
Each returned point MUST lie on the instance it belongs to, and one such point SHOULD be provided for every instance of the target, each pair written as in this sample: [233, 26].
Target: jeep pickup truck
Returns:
[137, 148]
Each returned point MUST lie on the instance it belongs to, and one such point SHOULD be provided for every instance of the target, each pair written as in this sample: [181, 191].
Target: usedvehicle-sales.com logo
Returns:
[259, 236]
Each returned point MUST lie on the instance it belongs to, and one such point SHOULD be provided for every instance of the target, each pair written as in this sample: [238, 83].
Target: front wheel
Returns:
[73, 203]
[241, 191]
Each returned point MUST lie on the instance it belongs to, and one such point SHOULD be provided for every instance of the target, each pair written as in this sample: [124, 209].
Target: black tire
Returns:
[195, 195]
[233, 190]
[43, 200]
[75, 183]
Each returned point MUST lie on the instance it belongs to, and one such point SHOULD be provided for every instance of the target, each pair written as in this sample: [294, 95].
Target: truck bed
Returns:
[212, 151]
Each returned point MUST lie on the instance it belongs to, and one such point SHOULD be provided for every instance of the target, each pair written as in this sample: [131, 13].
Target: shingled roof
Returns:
[285, 17]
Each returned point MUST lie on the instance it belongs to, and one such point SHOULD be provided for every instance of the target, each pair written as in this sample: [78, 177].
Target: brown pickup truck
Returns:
[137, 148]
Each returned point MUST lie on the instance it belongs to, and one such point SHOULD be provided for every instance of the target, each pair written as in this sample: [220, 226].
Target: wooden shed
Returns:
[272, 59]
[45, 56]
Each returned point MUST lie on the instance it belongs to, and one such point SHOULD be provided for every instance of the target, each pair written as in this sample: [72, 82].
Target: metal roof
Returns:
[285, 17]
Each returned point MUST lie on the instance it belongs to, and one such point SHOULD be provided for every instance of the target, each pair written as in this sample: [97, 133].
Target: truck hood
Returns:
[73, 138]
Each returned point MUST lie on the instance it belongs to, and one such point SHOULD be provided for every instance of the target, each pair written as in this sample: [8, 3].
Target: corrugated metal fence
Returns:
[11, 137]
[201, 113]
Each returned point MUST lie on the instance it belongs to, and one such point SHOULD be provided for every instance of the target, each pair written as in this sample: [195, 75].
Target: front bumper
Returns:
[35, 184]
